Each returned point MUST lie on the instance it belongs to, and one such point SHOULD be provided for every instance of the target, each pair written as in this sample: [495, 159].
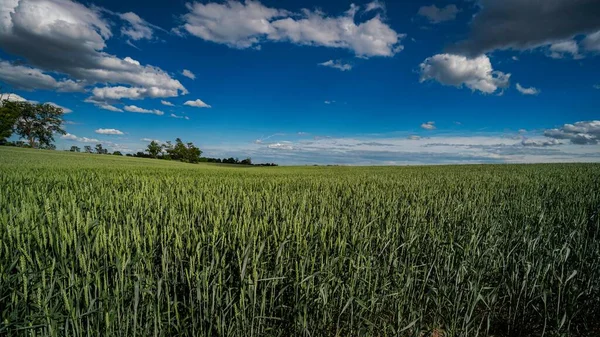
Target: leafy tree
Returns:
[88, 149]
[9, 114]
[192, 153]
[247, 161]
[75, 149]
[154, 149]
[100, 149]
[38, 123]
[117, 153]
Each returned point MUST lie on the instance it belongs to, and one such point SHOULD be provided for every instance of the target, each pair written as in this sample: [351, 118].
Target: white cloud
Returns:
[527, 91]
[133, 108]
[68, 38]
[437, 15]
[401, 150]
[28, 78]
[72, 137]
[281, 146]
[329, 102]
[65, 110]
[561, 49]
[580, 133]
[597, 86]
[167, 103]
[120, 92]
[12, 97]
[109, 107]
[188, 74]
[136, 28]
[238, 25]
[197, 104]
[248, 24]
[540, 143]
[109, 132]
[456, 70]
[179, 117]
[592, 42]
[149, 140]
[428, 126]
[414, 137]
[375, 5]
[337, 64]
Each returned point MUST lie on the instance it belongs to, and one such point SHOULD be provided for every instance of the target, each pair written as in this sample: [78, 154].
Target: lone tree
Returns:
[9, 114]
[38, 123]
[154, 149]
[87, 149]
[75, 149]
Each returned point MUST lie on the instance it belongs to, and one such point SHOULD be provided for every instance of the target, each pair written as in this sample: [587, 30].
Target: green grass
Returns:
[112, 246]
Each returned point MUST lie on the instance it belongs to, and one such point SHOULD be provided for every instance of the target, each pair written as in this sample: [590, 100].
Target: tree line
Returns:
[188, 152]
[37, 124]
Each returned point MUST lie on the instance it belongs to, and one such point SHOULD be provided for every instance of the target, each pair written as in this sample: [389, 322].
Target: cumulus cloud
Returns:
[197, 104]
[540, 143]
[375, 5]
[337, 64]
[179, 117]
[72, 137]
[437, 15]
[456, 70]
[12, 97]
[248, 24]
[188, 74]
[109, 132]
[527, 91]
[29, 78]
[65, 110]
[120, 92]
[133, 108]
[581, 133]
[167, 103]
[428, 126]
[528, 24]
[68, 38]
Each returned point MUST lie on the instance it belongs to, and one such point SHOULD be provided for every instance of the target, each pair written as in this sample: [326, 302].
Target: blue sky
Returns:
[302, 82]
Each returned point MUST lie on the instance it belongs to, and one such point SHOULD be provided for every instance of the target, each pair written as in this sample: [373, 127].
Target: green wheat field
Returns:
[95, 245]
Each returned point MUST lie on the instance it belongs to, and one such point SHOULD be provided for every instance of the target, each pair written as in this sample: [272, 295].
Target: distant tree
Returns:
[9, 114]
[75, 149]
[39, 122]
[247, 161]
[179, 150]
[192, 153]
[87, 149]
[100, 149]
[117, 153]
[154, 149]
[48, 147]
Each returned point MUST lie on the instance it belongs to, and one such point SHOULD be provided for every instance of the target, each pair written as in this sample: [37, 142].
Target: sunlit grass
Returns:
[96, 245]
